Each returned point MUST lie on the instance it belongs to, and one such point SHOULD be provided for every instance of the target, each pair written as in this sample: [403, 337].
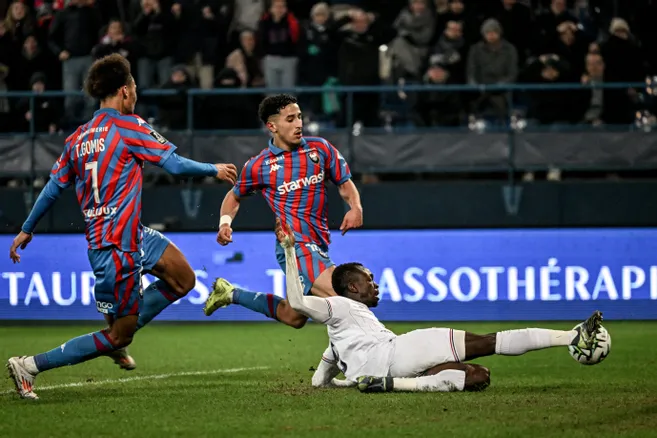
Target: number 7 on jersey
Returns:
[93, 166]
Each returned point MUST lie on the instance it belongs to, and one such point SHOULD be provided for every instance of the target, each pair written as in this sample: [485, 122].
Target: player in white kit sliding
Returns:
[376, 360]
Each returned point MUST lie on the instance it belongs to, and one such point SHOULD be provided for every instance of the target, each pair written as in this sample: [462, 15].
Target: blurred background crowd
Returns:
[184, 44]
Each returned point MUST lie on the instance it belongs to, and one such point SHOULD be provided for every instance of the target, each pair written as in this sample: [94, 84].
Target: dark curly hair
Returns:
[345, 274]
[272, 105]
[106, 76]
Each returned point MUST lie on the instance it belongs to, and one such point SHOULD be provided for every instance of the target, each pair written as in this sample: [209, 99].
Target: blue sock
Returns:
[77, 350]
[256, 301]
[157, 297]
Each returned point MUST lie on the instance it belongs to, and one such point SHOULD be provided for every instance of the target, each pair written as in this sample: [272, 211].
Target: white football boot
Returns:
[22, 377]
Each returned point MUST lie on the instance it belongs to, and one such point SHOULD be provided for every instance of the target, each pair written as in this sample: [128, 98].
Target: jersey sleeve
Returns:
[249, 180]
[336, 166]
[62, 172]
[326, 371]
[144, 142]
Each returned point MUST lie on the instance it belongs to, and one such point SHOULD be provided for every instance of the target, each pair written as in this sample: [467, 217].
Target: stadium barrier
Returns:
[509, 147]
[423, 275]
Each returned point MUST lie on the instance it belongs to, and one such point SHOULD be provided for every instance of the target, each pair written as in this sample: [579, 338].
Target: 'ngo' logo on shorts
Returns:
[103, 307]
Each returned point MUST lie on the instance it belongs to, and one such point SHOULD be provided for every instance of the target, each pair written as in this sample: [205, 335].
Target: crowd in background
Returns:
[183, 44]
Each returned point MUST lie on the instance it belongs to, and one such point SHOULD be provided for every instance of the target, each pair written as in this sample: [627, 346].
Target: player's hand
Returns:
[285, 235]
[225, 235]
[21, 242]
[227, 172]
[353, 219]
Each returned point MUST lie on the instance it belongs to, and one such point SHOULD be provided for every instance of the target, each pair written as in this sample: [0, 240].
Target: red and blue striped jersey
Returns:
[292, 183]
[104, 158]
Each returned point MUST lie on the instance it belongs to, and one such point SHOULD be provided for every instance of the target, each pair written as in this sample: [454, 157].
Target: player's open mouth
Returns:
[298, 135]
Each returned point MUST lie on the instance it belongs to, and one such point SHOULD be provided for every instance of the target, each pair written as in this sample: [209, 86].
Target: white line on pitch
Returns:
[137, 378]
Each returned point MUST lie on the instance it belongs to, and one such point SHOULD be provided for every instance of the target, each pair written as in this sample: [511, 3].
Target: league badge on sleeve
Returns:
[157, 136]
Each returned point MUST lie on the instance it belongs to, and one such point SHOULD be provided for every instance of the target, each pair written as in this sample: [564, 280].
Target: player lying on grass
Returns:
[104, 160]
[421, 360]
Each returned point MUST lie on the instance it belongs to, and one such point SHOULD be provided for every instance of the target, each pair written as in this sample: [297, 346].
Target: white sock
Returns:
[30, 365]
[516, 342]
[444, 381]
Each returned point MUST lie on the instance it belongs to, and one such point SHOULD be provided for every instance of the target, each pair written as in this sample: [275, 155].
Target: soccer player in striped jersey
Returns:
[377, 360]
[290, 173]
[104, 160]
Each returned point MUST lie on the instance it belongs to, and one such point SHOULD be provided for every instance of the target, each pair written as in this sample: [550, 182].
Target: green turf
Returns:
[544, 393]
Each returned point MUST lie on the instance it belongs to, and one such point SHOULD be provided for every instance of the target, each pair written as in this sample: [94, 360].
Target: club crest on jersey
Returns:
[313, 157]
[157, 136]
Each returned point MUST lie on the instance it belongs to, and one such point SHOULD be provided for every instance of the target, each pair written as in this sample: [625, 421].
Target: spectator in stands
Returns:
[246, 63]
[173, 109]
[592, 101]
[115, 41]
[278, 40]
[155, 30]
[358, 63]
[319, 60]
[458, 12]
[622, 54]
[18, 23]
[545, 30]
[202, 37]
[571, 48]
[438, 108]
[415, 29]
[73, 34]
[246, 17]
[492, 61]
[515, 19]
[32, 59]
[45, 114]
[548, 107]
[44, 17]
[450, 52]
[599, 106]
[15, 27]
[319, 46]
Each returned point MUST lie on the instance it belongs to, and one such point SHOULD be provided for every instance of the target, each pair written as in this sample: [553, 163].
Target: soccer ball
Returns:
[600, 350]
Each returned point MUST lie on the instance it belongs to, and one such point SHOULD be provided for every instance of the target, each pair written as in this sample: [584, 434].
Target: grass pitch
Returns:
[233, 380]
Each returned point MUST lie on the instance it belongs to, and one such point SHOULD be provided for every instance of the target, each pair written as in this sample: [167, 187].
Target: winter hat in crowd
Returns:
[491, 25]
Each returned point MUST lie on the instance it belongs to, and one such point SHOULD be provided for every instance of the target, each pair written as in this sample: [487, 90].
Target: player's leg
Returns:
[176, 278]
[448, 377]
[315, 270]
[517, 342]
[164, 260]
[118, 294]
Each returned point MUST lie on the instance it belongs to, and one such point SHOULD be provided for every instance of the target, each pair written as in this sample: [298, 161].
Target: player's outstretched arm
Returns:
[177, 165]
[313, 307]
[44, 202]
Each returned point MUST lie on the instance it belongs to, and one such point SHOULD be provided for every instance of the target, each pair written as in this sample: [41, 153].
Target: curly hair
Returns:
[106, 76]
[272, 105]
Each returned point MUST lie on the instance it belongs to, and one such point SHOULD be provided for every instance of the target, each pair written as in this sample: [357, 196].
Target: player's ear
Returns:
[272, 127]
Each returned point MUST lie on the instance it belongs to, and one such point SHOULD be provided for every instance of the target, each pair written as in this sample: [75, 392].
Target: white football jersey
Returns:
[361, 345]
